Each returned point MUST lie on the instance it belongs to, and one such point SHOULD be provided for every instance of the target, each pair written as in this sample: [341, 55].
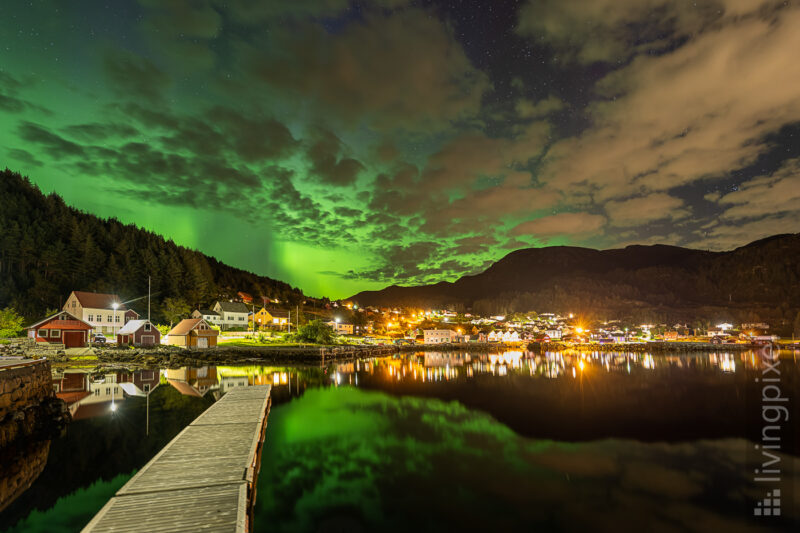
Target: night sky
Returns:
[342, 146]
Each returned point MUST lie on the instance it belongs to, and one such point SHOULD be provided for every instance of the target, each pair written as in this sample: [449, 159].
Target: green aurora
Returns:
[344, 146]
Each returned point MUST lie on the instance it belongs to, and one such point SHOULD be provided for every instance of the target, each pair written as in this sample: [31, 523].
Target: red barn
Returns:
[61, 328]
[139, 333]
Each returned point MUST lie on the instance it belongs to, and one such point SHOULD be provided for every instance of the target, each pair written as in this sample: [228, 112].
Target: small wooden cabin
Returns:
[139, 333]
[193, 333]
[61, 328]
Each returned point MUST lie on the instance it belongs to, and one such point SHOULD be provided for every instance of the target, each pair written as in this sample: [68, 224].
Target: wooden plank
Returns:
[204, 479]
[219, 508]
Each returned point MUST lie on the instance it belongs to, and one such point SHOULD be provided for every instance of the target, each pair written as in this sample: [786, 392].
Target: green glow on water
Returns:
[345, 459]
[71, 513]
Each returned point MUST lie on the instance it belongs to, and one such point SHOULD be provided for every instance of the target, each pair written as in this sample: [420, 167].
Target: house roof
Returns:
[72, 397]
[277, 313]
[184, 388]
[185, 326]
[66, 324]
[207, 312]
[99, 300]
[72, 318]
[233, 307]
[132, 327]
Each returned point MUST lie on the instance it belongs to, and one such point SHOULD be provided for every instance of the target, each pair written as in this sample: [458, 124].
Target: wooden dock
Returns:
[204, 479]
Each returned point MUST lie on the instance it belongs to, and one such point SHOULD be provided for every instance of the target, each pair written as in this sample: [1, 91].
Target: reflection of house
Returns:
[71, 386]
[227, 383]
[61, 328]
[193, 381]
[439, 336]
[139, 333]
[232, 314]
[98, 310]
[104, 395]
[139, 382]
[434, 359]
[193, 333]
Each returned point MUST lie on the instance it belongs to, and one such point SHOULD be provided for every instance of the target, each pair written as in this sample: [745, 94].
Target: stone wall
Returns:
[29, 408]
[24, 386]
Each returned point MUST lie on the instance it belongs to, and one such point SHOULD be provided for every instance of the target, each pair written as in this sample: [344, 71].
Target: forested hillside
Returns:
[759, 281]
[48, 249]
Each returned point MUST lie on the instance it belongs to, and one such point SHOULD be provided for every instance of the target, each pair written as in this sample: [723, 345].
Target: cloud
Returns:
[528, 109]
[55, 145]
[644, 209]
[133, 76]
[561, 224]
[727, 236]
[401, 70]
[327, 162]
[766, 195]
[586, 31]
[686, 115]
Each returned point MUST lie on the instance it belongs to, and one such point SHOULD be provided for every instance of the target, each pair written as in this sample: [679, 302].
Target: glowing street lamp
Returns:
[115, 305]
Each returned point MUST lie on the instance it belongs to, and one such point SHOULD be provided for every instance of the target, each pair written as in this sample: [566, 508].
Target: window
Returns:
[110, 318]
[146, 387]
[147, 327]
[241, 319]
[55, 333]
[44, 333]
[116, 318]
[97, 392]
[91, 318]
[108, 391]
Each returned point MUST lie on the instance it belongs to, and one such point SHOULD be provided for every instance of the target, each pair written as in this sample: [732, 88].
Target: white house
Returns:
[104, 312]
[439, 336]
[232, 314]
[341, 328]
[553, 333]
[209, 315]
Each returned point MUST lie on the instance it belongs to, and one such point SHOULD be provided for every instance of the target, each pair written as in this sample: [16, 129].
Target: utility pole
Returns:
[148, 298]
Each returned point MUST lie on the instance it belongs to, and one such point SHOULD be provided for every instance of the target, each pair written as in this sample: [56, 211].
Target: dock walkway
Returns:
[204, 479]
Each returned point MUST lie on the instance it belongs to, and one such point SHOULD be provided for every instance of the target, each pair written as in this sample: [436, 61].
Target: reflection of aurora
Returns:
[344, 459]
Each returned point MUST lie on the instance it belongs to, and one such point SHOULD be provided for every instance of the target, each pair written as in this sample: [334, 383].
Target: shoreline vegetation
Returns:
[319, 355]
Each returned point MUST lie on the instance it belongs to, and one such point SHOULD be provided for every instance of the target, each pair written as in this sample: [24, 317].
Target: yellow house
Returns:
[270, 318]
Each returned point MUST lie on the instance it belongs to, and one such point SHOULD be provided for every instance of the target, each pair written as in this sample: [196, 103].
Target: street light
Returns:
[115, 305]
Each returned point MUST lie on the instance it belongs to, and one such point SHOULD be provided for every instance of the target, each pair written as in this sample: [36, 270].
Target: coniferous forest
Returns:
[48, 249]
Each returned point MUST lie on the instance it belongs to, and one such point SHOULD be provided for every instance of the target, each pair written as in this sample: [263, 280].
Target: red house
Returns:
[139, 333]
[61, 328]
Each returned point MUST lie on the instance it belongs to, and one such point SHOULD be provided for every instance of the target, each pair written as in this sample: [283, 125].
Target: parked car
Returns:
[99, 338]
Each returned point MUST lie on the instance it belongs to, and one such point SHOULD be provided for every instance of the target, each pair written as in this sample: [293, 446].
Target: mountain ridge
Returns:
[646, 279]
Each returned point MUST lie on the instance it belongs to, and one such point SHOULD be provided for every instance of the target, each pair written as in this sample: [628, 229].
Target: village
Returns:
[98, 319]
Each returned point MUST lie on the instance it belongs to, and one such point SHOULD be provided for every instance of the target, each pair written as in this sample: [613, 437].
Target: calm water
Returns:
[436, 441]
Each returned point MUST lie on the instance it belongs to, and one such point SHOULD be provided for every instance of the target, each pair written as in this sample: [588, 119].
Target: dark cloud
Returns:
[327, 162]
[357, 72]
[134, 76]
[54, 145]
[97, 131]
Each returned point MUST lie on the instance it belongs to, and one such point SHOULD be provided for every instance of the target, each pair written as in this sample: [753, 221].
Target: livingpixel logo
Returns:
[774, 415]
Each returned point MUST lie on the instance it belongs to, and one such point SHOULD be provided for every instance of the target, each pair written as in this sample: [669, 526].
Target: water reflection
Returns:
[123, 417]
